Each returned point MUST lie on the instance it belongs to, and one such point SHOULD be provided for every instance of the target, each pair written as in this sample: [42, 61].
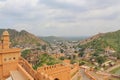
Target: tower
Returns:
[5, 40]
[8, 56]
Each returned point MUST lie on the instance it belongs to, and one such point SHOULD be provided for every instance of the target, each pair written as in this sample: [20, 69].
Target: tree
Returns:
[75, 51]
[62, 58]
[117, 55]
[81, 63]
[26, 52]
[73, 61]
[45, 59]
[61, 50]
[81, 54]
[44, 47]
[100, 59]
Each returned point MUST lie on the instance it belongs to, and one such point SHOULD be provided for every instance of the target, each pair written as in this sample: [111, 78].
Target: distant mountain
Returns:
[76, 38]
[102, 40]
[54, 38]
[23, 38]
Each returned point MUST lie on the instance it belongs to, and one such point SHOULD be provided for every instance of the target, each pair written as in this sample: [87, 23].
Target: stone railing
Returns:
[74, 70]
[26, 75]
[36, 75]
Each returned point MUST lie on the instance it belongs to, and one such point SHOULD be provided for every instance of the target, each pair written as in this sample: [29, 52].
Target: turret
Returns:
[5, 40]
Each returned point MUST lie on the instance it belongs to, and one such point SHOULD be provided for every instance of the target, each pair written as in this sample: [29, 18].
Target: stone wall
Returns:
[25, 74]
[87, 73]
[74, 69]
[56, 71]
[36, 75]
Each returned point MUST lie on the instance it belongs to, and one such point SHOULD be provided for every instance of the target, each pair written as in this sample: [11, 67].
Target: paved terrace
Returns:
[16, 75]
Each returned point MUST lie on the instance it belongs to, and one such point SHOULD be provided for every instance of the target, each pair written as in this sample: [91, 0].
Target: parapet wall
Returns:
[36, 75]
[52, 67]
[87, 73]
[74, 70]
[56, 71]
[26, 75]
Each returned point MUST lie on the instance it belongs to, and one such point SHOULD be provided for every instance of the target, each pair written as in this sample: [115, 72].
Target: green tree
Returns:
[81, 54]
[25, 53]
[44, 47]
[45, 59]
[100, 59]
[61, 50]
[81, 63]
[62, 58]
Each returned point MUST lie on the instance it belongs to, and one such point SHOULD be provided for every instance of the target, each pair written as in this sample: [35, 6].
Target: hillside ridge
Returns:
[23, 38]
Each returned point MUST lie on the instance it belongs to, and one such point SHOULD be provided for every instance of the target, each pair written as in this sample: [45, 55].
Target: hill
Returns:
[51, 39]
[23, 38]
[101, 41]
[75, 38]
[54, 38]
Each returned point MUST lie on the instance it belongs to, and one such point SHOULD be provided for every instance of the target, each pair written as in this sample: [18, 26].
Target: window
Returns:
[56, 79]
[5, 59]
[14, 58]
[9, 58]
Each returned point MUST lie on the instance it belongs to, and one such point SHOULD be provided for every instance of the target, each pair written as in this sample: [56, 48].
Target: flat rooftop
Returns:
[16, 75]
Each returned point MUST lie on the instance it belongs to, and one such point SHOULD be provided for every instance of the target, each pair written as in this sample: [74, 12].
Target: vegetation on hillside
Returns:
[46, 59]
[111, 39]
[23, 38]
[25, 53]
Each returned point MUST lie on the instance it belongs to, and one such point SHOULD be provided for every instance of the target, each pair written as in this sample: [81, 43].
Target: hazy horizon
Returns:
[61, 17]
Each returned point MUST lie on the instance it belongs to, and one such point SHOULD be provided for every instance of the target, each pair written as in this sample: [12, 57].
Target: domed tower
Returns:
[9, 57]
[5, 40]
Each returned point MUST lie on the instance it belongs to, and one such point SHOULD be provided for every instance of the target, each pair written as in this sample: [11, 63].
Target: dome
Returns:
[5, 33]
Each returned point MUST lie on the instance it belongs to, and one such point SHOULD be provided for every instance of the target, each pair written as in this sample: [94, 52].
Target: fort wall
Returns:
[74, 70]
[36, 75]
[56, 71]
[87, 73]
[24, 73]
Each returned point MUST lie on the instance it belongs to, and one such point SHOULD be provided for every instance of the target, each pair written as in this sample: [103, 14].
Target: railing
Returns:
[36, 75]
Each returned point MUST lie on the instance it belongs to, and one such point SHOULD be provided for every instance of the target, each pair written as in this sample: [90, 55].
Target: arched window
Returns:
[56, 79]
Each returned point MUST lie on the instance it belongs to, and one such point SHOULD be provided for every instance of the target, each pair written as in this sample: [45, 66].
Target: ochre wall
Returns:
[10, 61]
[74, 69]
[0, 59]
[36, 75]
[62, 75]
[25, 74]
[8, 56]
[60, 71]
[0, 72]
[0, 66]
[9, 67]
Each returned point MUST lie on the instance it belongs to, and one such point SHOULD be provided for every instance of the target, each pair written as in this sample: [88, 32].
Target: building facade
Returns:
[8, 56]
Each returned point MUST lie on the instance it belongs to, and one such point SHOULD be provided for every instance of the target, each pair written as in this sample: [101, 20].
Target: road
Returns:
[83, 75]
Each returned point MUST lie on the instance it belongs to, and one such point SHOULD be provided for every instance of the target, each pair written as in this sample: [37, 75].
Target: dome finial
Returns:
[5, 33]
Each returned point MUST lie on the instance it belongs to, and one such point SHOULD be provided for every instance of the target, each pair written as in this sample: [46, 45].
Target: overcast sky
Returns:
[61, 17]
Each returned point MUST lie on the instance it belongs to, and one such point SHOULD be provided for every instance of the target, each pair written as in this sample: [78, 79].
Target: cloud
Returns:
[61, 17]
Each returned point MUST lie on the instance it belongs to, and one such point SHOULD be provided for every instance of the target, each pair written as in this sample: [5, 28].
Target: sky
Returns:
[61, 17]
